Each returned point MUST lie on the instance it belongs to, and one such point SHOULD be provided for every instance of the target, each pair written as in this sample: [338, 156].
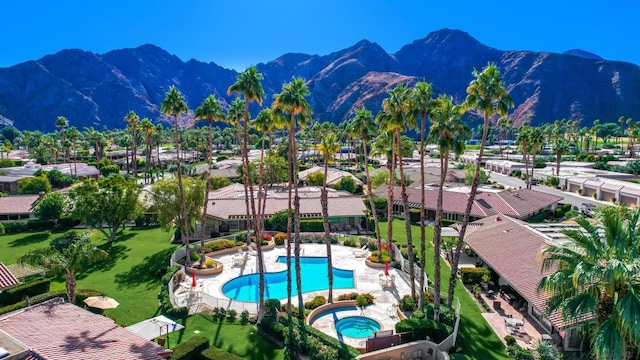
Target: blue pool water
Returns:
[357, 327]
[314, 278]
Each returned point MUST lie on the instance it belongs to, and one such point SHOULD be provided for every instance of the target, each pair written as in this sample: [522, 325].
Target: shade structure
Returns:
[193, 280]
[101, 302]
[154, 327]
[386, 269]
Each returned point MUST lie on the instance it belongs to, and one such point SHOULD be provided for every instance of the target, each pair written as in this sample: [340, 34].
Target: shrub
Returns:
[418, 314]
[1, 229]
[518, 353]
[220, 244]
[165, 301]
[516, 173]
[349, 296]
[5, 163]
[213, 353]
[364, 300]
[210, 264]
[311, 225]
[81, 294]
[408, 303]
[413, 329]
[473, 275]
[553, 181]
[34, 185]
[244, 317]
[219, 313]
[510, 340]
[315, 302]
[222, 157]
[350, 242]
[280, 238]
[190, 349]
[231, 315]
[17, 294]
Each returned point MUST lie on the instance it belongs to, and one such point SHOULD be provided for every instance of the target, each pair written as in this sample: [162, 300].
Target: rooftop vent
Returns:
[498, 218]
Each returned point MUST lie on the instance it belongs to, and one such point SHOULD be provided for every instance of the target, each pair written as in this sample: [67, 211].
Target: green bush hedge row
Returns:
[413, 329]
[470, 276]
[165, 300]
[81, 295]
[311, 225]
[213, 353]
[17, 294]
[190, 349]
[220, 244]
[12, 227]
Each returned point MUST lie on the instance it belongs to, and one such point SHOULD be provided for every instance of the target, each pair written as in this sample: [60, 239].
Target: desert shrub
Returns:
[190, 349]
[473, 275]
[349, 296]
[315, 302]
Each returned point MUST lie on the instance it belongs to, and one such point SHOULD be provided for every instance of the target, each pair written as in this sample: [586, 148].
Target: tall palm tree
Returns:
[235, 114]
[488, 96]
[157, 138]
[62, 123]
[248, 84]
[147, 130]
[597, 274]
[72, 138]
[449, 133]
[559, 143]
[174, 105]
[68, 261]
[535, 142]
[132, 120]
[292, 102]
[363, 126]
[503, 124]
[328, 147]
[398, 106]
[422, 102]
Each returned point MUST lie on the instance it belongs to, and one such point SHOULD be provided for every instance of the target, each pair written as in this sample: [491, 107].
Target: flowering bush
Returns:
[279, 238]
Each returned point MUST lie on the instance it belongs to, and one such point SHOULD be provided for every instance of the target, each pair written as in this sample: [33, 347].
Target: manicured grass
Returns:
[132, 275]
[476, 337]
[242, 340]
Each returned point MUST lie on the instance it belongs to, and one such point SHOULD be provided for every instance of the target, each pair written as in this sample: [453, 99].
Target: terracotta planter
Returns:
[212, 271]
[376, 265]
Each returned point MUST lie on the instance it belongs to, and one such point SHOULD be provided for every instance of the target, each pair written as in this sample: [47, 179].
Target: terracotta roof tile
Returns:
[60, 331]
[6, 277]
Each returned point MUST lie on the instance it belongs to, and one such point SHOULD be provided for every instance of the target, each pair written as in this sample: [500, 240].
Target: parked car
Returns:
[587, 209]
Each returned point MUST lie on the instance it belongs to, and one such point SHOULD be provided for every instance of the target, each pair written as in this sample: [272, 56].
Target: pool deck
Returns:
[366, 281]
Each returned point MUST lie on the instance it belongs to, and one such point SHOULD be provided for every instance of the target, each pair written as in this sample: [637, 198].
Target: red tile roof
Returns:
[19, 204]
[61, 331]
[6, 277]
[511, 249]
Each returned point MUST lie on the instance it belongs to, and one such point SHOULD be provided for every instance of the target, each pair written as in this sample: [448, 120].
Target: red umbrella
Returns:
[386, 269]
[193, 279]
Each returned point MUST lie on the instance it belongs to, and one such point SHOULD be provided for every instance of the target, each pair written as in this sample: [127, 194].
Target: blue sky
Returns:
[235, 34]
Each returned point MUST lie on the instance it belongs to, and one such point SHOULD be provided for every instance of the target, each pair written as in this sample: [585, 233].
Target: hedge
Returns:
[213, 353]
[166, 306]
[413, 329]
[80, 296]
[311, 225]
[190, 349]
[473, 275]
[17, 294]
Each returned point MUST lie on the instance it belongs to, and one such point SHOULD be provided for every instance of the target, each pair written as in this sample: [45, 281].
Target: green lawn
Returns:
[476, 337]
[132, 275]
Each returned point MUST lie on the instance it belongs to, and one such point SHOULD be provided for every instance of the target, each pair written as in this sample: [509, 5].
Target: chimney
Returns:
[498, 218]
[41, 195]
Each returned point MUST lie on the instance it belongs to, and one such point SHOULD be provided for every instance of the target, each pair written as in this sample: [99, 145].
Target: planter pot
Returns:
[210, 271]
[376, 265]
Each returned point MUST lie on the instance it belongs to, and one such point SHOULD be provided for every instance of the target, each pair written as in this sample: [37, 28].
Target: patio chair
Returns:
[250, 250]
[362, 252]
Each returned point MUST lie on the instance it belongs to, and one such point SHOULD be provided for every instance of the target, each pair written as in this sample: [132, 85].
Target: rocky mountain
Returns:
[99, 89]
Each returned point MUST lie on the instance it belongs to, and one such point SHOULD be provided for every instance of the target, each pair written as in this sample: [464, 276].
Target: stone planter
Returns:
[376, 265]
[211, 271]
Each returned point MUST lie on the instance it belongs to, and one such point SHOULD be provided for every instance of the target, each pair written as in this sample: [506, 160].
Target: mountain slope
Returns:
[99, 89]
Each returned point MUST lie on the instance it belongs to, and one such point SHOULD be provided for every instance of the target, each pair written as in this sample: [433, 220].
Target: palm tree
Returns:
[559, 143]
[62, 123]
[594, 129]
[210, 110]
[487, 95]
[132, 120]
[597, 274]
[535, 142]
[363, 126]
[72, 138]
[147, 129]
[174, 105]
[328, 148]
[449, 133]
[503, 124]
[68, 261]
[235, 115]
[422, 103]
[398, 106]
[292, 101]
[157, 138]
[248, 84]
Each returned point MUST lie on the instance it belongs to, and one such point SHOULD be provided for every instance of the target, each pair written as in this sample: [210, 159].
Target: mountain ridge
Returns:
[99, 89]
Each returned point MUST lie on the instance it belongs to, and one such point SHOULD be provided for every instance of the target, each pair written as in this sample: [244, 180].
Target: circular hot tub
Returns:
[358, 327]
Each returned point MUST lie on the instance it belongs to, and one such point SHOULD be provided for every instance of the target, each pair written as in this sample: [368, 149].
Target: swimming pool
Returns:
[314, 278]
[358, 327]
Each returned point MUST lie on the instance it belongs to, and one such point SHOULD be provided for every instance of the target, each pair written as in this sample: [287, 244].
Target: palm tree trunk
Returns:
[158, 154]
[437, 236]
[422, 217]
[389, 201]
[407, 217]
[289, 237]
[533, 166]
[245, 182]
[325, 223]
[134, 154]
[203, 221]
[184, 229]
[296, 224]
[70, 283]
[467, 214]
[558, 158]
[262, 200]
[372, 203]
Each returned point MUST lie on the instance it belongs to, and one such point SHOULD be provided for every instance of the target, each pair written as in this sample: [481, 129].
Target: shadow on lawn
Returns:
[149, 271]
[30, 239]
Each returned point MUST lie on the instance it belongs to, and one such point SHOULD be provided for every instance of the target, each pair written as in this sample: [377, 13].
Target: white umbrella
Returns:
[101, 302]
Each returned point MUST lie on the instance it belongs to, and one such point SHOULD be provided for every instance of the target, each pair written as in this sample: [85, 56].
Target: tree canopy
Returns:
[165, 196]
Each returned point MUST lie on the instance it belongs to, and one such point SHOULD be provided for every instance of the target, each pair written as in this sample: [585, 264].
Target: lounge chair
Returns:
[362, 252]
[250, 250]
